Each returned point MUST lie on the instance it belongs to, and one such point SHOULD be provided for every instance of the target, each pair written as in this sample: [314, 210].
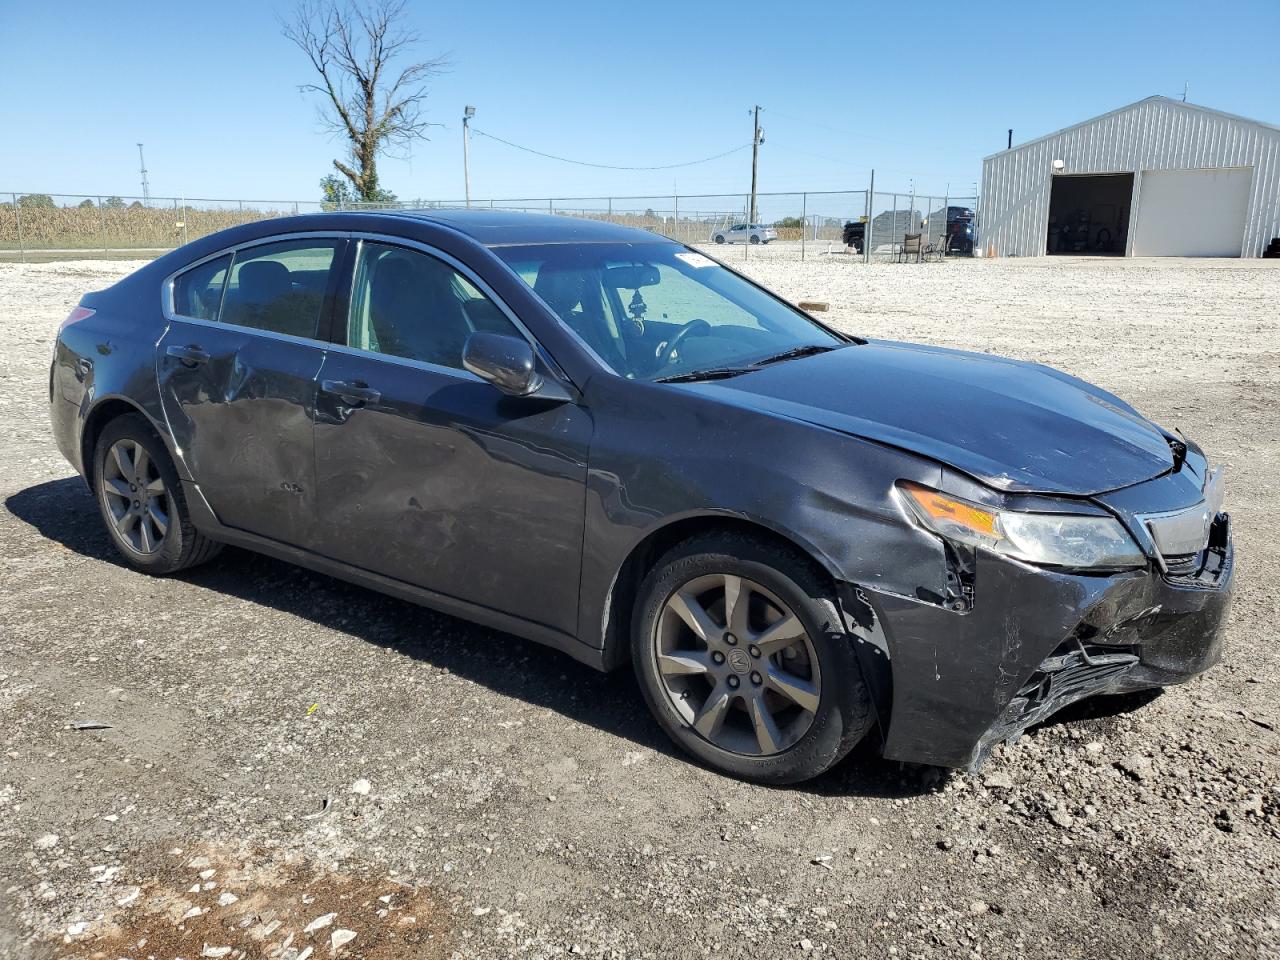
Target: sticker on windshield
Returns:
[696, 259]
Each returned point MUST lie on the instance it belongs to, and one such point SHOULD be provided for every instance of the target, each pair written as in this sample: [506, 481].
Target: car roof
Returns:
[495, 228]
[490, 228]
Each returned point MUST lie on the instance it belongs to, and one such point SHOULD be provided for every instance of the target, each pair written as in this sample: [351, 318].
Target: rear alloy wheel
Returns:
[755, 238]
[743, 661]
[141, 500]
[135, 497]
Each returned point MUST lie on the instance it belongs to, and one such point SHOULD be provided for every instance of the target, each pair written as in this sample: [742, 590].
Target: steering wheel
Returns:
[698, 327]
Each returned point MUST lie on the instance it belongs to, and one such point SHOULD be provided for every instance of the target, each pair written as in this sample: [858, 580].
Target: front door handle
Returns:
[191, 354]
[352, 392]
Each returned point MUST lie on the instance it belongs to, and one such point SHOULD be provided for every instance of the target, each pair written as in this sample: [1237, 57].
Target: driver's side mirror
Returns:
[506, 362]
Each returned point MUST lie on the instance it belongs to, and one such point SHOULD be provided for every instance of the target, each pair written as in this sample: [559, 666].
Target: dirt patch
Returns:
[214, 901]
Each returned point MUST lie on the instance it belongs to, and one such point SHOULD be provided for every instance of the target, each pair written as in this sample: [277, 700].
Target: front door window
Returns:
[412, 305]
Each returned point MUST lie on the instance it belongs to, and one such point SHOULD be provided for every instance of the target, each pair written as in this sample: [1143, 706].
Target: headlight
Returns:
[1052, 539]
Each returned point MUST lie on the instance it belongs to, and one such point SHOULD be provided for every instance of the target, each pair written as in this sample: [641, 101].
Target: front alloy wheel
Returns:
[738, 665]
[744, 660]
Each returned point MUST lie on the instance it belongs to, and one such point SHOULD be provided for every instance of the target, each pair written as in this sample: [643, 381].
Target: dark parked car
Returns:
[960, 230]
[603, 440]
[855, 235]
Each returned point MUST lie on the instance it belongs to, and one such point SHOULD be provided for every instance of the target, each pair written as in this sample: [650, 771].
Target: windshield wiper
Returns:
[792, 354]
[723, 373]
[714, 373]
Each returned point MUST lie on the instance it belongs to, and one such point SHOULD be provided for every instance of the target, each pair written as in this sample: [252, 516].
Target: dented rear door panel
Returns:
[241, 419]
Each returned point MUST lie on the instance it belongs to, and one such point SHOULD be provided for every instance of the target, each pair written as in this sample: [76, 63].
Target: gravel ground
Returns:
[277, 747]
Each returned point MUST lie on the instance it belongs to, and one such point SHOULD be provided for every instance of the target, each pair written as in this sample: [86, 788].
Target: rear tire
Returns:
[755, 238]
[780, 704]
[141, 500]
[719, 238]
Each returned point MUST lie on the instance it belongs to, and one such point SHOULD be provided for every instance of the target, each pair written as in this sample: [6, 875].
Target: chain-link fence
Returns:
[803, 224]
[786, 225]
[46, 226]
[797, 223]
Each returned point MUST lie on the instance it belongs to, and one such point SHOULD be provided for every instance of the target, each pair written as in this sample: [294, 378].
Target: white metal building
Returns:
[1158, 178]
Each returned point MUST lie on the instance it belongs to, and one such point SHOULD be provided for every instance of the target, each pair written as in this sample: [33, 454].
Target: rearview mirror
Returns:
[632, 276]
[506, 362]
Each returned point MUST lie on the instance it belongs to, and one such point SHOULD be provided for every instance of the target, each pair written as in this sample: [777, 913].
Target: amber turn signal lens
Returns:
[943, 509]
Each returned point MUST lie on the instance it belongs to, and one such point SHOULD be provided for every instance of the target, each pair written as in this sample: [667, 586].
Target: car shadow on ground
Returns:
[63, 511]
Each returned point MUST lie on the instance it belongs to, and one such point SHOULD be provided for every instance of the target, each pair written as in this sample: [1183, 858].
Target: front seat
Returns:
[414, 312]
[390, 305]
[563, 290]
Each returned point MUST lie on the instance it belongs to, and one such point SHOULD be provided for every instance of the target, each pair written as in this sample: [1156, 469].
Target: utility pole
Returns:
[1185, 85]
[756, 140]
[871, 219]
[146, 187]
[467, 114]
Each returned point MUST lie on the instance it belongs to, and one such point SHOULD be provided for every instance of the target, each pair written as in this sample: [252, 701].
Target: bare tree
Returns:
[369, 100]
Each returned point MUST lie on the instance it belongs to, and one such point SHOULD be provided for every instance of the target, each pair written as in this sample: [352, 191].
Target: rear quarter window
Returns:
[197, 292]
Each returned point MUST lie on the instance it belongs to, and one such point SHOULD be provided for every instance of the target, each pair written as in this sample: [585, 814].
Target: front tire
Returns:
[141, 500]
[742, 658]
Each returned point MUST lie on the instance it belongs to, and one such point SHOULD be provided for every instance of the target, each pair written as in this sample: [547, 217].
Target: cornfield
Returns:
[103, 227]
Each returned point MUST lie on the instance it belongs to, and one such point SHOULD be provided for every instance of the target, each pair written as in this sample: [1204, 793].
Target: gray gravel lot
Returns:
[319, 747]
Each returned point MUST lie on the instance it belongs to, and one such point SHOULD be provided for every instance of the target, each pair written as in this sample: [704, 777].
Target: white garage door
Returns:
[1192, 213]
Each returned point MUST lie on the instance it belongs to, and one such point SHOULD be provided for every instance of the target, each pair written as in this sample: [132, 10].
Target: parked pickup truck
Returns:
[855, 235]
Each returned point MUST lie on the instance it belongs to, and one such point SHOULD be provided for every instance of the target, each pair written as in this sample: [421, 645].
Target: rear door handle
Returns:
[191, 354]
[356, 392]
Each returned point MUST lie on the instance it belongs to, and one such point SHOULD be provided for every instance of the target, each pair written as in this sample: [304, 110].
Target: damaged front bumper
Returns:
[1036, 640]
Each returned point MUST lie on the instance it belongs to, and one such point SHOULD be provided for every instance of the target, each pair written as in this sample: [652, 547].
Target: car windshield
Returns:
[659, 311]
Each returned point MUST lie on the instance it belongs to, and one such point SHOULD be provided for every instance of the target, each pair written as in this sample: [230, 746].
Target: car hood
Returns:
[1015, 426]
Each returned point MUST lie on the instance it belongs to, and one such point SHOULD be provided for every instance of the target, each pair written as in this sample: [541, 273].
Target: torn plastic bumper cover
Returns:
[1037, 640]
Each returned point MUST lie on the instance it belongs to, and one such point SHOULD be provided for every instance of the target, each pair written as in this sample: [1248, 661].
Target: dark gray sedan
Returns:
[613, 444]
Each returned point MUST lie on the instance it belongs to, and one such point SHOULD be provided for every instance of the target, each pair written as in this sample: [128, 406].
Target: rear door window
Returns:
[280, 287]
[197, 292]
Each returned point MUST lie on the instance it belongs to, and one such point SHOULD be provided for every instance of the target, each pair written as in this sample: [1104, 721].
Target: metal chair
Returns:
[912, 246]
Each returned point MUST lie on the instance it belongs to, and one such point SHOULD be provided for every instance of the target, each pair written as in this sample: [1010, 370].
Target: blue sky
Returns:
[920, 91]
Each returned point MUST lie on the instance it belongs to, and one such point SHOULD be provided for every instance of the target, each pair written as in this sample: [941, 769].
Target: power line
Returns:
[846, 132]
[787, 148]
[821, 156]
[607, 166]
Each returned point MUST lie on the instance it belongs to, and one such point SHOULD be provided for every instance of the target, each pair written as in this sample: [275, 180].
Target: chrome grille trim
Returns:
[1183, 533]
